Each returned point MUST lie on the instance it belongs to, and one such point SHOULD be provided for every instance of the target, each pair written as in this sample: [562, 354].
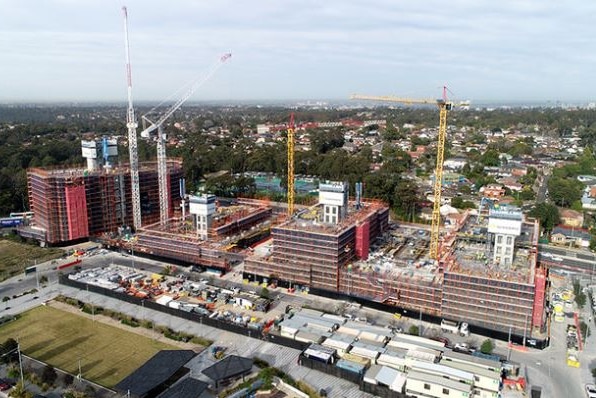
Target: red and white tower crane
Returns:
[131, 124]
[162, 171]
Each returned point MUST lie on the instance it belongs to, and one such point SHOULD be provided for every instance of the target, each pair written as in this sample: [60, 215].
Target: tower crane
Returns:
[444, 106]
[291, 166]
[131, 125]
[164, 197]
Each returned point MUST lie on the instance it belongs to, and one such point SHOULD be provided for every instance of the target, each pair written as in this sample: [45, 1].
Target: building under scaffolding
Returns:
[78, 203]
[205, 237]
[487, 274]
[311, 248]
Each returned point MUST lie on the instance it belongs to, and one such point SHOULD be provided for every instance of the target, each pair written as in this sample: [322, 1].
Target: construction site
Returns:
[481, 269]
[486, 274]
[213, 236]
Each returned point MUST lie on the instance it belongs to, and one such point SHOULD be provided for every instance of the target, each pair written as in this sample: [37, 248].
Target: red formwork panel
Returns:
[76, 211]
[539, 291]
[363, 240]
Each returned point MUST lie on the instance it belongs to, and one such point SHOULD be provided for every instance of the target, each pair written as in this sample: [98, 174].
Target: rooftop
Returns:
[82, 171]
[156, 371]
[309, 219]
[230, 366]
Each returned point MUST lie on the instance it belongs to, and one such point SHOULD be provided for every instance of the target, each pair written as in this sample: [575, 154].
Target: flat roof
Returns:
[465, 358]
[472, 368]
[309, 220]
[441, 381]
[443, 369]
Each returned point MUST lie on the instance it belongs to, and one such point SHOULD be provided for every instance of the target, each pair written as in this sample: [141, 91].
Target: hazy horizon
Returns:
[508, 51]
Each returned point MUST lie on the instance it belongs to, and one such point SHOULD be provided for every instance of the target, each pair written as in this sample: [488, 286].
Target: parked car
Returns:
[463, 347]
[443, 340]
[590, 391]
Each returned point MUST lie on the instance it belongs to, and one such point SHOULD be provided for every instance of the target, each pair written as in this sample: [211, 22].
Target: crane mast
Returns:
[131, 125]
[444, 106]
[162, 168]
[291, 166]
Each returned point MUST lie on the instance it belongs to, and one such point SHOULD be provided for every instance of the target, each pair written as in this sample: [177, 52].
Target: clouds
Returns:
[72, 50]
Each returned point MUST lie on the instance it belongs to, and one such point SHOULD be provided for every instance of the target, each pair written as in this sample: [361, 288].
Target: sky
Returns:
[506, 50]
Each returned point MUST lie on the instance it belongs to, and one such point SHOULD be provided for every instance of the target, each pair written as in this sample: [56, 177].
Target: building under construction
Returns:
[210, 235]
[78, 203]
[311, 248]
[487, 273]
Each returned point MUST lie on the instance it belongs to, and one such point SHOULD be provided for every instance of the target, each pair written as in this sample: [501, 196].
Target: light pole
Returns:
[36, 275]
[132, 252]
[420, 322]
[509, 345]
[525, 329]
[18, 350]
[20, 364]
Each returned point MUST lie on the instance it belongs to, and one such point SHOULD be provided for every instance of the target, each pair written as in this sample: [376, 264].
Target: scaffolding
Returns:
[309, 253]
[107, 196]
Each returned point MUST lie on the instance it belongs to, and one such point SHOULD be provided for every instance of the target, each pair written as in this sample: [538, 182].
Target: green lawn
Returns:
[108, 354]
[15, 257]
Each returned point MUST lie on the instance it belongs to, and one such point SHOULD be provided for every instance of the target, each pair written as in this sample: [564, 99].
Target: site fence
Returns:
[191, 316]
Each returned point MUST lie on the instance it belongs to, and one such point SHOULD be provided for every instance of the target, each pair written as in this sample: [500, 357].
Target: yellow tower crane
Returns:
[291, 166]
[444, 106]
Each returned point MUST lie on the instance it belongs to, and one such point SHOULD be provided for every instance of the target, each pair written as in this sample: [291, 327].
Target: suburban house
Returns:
[566, 236]
[571, 218]
[493, 191]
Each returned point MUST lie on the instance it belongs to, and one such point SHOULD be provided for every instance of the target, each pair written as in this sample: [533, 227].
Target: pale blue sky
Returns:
[299, 49]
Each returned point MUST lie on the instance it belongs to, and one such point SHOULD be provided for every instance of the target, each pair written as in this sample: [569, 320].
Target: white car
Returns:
[546, 254]
[462, 347]
[590, 391]
[556, 258]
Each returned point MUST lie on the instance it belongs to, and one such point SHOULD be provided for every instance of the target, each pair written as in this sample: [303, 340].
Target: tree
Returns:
[49, 375]
[459, 203]
[487, 346]
[564, 191]
[585, 330]
[264, 293]
[593, 243]
[414, 330]
[8, 351]
[325, 141]
[71, 393]
[19, 391]
[580, 299]
[405, 198]
[391, 133]
[68, 379]
[548, 215]
[490, 158]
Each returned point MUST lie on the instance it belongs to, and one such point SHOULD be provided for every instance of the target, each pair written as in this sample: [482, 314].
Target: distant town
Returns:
[386, 248]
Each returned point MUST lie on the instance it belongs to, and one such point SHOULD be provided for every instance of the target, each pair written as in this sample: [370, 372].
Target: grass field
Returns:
[108, 354]
[15, 257]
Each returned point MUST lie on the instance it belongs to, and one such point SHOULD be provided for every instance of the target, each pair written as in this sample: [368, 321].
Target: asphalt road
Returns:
[569, 259]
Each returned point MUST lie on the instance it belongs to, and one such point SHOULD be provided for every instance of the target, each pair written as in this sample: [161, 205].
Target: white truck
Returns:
[455, 327]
